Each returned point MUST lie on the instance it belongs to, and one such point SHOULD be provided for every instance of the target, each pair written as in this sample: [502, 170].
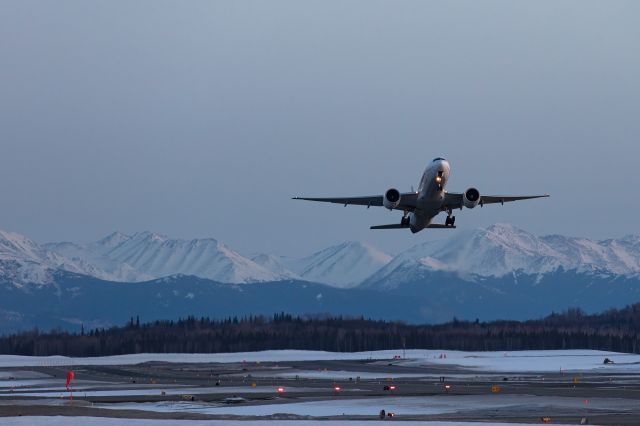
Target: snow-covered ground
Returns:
[368, 375]
[531, 361]
[157, 390]
[52, 383]
[335, 374]
[28, 383]
[19, 374]
[407, 405]
[102, 421]
[517, 361]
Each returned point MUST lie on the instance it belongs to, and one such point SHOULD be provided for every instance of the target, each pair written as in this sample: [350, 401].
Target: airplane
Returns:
[422, 206]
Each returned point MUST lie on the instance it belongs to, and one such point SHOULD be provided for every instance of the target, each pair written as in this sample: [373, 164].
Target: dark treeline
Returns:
[614, 330]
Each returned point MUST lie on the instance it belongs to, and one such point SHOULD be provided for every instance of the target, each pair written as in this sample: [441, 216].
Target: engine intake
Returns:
[471, 198]
[391, 199]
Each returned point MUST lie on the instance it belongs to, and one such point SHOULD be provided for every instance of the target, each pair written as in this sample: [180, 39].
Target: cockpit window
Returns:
[437, 159]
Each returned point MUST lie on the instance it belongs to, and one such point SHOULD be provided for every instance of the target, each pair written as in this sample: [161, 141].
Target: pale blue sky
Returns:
[203, 118]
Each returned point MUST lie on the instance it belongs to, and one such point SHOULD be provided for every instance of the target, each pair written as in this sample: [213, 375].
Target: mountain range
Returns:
[492, 252]
[497, 272]
[145, 256]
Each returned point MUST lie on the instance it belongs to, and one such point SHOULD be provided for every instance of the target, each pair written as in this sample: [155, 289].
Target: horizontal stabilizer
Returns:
[399, 226]
[392, 226]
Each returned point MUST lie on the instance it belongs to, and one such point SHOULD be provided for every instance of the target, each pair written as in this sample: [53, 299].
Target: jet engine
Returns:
[471, 198]
[391, 199]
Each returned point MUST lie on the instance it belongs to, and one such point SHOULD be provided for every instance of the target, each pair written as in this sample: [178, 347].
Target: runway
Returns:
[310, 387]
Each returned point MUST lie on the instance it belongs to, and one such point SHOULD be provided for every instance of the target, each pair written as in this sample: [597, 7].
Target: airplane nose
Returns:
[441, 165]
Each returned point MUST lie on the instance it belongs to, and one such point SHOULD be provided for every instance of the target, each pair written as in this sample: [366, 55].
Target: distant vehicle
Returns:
[234, 400]
[389, 387]
[422, 206]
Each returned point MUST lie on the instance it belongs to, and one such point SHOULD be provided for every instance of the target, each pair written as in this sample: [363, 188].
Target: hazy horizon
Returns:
[204, 118]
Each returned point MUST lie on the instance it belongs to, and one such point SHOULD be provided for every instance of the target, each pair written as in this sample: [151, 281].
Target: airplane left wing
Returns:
[453, 200]
[407, 201]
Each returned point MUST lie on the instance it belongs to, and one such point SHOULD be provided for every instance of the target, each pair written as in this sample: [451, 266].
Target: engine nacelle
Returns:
[391, 199]
[470, 198]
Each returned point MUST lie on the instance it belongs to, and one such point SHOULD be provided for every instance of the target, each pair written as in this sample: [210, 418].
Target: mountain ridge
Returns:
[495, 251]
[503, 249]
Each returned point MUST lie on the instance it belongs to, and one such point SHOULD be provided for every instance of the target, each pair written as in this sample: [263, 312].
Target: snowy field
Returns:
[101, 421]
[18, 374]
[54, 384]
[517, 361]
[62, 392]
[336, 375]
[531, 361]
[407, 405]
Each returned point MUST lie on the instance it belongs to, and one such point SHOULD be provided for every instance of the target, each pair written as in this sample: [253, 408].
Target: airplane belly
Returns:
[429, 206]
[431, 202]
[418, 221]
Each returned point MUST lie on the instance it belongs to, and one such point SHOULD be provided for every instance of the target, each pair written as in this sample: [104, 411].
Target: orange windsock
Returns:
[70, 376]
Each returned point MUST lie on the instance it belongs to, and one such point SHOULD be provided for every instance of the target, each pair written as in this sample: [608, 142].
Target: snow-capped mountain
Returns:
[144, 256]
[147, 255]
[118, 257]
[22, 261]
[344, 265]
[504, 249]
[275, 264]
[108, 243]
[159, 256]
[103, 267]
[619, 256]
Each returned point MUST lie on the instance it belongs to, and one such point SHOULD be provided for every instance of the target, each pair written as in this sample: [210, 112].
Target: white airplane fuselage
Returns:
[430, 194]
